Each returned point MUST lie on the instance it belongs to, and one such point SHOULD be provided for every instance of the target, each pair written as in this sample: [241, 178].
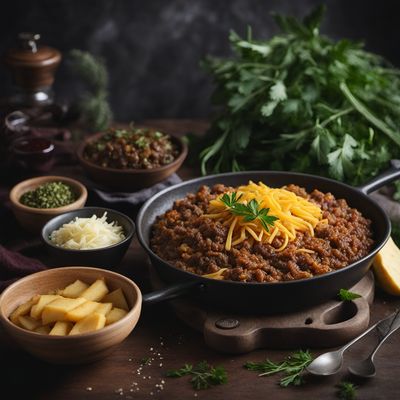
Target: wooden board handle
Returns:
[331, 324]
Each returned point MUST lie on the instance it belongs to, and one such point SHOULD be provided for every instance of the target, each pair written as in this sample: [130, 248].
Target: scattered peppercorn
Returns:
[49, 195]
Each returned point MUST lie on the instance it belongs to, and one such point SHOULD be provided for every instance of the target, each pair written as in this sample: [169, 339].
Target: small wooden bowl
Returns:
[130, 180]
[33, 219]
[76, 349]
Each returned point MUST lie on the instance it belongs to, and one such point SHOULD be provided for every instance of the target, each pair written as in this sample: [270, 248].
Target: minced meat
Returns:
[186, 239]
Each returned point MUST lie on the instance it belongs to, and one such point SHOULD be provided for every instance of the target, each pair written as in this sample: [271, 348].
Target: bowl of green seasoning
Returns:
[35, 201]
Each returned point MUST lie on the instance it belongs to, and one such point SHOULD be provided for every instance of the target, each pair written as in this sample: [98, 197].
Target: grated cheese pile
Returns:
[88, 233]
[294, 214]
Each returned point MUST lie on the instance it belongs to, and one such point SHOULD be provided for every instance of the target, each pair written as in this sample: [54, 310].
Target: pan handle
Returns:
[172, 292]
[386, 177]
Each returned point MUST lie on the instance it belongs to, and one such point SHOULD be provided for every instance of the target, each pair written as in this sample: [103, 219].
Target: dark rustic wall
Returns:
[153, 48]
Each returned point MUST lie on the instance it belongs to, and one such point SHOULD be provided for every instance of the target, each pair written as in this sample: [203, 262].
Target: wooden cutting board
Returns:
[327, 325]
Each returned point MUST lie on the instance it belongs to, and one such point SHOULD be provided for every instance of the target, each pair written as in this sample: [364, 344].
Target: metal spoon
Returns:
[366, 368]
[331, 362]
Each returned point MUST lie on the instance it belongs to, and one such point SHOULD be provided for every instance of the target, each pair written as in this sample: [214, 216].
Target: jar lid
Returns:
[29, 54]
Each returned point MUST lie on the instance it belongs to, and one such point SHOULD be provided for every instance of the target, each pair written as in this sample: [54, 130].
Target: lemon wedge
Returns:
[387, 268]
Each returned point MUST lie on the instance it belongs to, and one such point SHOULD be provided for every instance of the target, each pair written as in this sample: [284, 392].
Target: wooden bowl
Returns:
[130, 180]
[33, 219]
[76, 349]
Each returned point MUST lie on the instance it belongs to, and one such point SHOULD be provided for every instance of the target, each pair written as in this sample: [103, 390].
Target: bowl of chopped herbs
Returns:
[35, 201]
[131, 158]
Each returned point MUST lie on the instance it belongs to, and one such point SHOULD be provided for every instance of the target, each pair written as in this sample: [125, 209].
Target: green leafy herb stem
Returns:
[203, 375]
[346, 295]
[250, 211]
[292, 367]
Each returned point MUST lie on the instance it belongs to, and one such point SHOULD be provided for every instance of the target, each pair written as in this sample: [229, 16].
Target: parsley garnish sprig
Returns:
[250, 211]
[203, 375]
[292, 367]
[346, 295]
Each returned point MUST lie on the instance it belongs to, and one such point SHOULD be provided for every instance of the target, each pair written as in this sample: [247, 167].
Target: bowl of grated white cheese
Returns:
[91, 236]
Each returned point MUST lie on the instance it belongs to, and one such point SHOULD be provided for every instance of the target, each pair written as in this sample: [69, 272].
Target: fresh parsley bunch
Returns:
[303, 102]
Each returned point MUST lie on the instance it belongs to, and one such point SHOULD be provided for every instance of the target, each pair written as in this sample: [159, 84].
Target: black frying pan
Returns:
[265, 297]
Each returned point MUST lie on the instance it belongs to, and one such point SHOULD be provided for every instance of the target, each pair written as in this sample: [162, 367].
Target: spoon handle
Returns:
[385, 323]
[392, 328]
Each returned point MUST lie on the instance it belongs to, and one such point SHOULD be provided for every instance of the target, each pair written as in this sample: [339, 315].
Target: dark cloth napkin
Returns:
[133, 198]
[14, 265]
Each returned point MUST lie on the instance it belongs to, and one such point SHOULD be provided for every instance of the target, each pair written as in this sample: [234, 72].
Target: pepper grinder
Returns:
[33, 68]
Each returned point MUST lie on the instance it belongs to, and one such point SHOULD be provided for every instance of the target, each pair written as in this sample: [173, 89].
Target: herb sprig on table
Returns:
[303, 102]
[346, 390]
[292, 367]
[250, 211]
[203, 375]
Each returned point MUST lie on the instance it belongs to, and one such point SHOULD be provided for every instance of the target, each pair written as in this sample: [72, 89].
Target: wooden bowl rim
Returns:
[128, 237]
[17, 191]
[114, 326]
[141, 171]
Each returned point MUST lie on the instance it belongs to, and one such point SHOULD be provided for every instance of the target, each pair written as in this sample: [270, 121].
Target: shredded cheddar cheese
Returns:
[216, 275]
[294, 213]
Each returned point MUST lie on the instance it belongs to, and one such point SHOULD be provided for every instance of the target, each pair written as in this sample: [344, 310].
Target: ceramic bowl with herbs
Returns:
[131, 159]
[35, 201]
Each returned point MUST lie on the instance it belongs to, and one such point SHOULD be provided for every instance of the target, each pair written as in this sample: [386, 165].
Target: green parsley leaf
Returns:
[185, 370]
[313, 20]
[250, 211]
[203, 375]
[340, 160]
[322, 144]
[346, 295]
[230, 200]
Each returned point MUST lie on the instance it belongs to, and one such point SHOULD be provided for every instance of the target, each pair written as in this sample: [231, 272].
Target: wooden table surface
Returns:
[169, 343]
